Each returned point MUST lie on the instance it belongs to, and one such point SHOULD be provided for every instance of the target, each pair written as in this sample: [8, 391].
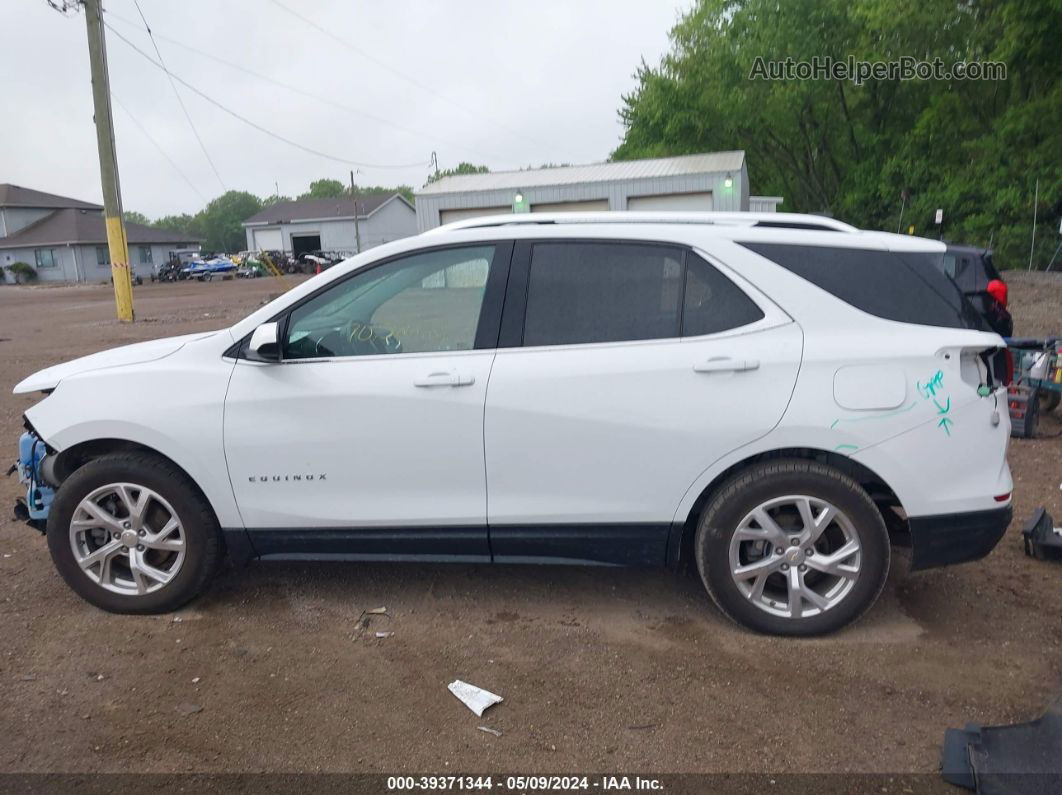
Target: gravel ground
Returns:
[601, 669]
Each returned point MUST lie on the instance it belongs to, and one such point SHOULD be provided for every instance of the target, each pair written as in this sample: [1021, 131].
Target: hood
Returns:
[137, 353]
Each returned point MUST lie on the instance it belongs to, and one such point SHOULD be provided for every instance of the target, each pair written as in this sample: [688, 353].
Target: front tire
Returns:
[130, 533]
[792, 547]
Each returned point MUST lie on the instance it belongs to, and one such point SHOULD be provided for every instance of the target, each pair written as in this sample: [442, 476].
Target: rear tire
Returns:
[792, 547]
[130, 533]
[1049, 400]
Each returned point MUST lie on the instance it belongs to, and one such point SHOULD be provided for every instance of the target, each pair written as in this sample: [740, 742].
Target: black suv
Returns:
[973, 271]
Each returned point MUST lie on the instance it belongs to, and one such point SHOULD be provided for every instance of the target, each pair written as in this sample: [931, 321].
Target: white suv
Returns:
[774, 398]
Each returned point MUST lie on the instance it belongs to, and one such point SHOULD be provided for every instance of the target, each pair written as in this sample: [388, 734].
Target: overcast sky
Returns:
[504, 83]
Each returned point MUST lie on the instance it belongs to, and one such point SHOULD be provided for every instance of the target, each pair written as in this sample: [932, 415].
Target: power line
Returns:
[155, 143]
[408, 78]
[224, 108]
[177, 94]
[431, 137]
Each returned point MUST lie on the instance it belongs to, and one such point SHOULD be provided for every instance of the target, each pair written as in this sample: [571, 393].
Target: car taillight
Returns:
[997, 288]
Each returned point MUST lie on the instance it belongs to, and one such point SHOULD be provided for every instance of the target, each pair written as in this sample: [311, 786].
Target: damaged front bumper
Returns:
[33, 508]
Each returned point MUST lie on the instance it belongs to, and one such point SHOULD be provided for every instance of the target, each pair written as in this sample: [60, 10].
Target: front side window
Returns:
[103, 255]
[581, 292]
[44, 257]
[428, 302]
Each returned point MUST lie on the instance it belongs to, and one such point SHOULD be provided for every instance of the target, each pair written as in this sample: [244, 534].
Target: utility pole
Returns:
[112, 196]
[1032, 243]
[357, 231]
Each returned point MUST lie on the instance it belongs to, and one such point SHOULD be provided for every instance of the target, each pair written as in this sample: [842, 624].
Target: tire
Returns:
[1032, 416]
[173, 563]
[731, 539]
[1049, 400]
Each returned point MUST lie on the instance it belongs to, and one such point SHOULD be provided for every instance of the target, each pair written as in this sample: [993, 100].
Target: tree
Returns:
[973, 147]
[133, 217]
[185, 225]
[220, 222]
[462, 168]
[22, 272]
[326, 189]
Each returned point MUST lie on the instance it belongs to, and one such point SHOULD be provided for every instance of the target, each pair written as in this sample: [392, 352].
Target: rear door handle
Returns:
[724, 364]
[449, 378]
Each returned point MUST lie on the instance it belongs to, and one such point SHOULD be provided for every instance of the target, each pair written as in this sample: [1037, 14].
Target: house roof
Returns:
[317, 209]
[595, 172]
[82, 227]
[17, 196]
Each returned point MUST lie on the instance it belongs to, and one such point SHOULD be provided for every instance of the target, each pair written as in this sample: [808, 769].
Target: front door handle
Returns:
[724, 364]
[449, 378]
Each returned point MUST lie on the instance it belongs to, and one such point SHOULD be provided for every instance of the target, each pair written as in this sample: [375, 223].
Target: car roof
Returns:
[688, 227]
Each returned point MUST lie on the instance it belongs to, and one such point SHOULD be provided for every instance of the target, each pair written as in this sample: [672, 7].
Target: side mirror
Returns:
[264, 345]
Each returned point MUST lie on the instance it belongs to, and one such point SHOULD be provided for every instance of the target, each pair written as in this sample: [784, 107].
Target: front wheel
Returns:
[130, 533]
[792, 548]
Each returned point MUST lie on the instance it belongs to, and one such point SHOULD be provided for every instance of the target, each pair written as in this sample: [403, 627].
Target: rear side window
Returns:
[712, 302]
[602, 292]
[903, 286]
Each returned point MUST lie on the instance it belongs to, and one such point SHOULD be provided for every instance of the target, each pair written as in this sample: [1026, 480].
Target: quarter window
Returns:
[602, 292]
[712, 302]
[908, 287]
[44, 257]
[428, 302]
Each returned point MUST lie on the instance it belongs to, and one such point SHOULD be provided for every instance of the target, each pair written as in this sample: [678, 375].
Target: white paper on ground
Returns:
[475, 698]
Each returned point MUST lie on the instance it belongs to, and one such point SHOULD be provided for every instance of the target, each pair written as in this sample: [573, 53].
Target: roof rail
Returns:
[770, 220]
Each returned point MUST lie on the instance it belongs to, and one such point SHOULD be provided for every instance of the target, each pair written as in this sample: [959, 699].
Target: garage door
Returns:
[671, 202]
[268, 240]
[597, 205]
[449, 216]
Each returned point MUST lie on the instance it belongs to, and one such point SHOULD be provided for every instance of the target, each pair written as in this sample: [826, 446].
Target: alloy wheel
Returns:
[127, 539]
[795, 556]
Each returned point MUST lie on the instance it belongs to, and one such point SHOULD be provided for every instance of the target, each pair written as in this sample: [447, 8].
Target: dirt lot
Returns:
[601, 669]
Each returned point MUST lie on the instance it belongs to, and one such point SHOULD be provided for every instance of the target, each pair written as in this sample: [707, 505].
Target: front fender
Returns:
[177, 410]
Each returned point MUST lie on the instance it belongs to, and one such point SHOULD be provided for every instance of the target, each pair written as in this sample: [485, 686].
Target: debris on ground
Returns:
[489, 730]
[1018, 759]
[188, 709]
[475, 698]
[366, 619]
[1043, 540]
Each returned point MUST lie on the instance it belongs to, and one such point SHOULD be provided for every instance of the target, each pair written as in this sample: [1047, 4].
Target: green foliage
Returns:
[326, 189]
[133, 217]
[973, 148]
[462, 168]
[22, 272]
[221, 222]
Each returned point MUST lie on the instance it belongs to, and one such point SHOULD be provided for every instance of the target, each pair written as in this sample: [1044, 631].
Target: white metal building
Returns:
[712, 181]
[297, 227]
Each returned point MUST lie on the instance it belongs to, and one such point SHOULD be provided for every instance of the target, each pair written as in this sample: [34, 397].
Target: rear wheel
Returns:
[131, 534]
[792, 548]
[1049, 400]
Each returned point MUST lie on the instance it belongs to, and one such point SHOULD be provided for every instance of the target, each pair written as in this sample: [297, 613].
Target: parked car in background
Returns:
[976, 275]
[774, 399]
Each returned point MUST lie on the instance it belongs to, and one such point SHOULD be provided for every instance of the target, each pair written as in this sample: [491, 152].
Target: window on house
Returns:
[145, 255]
[45, 257]
[103, 255]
